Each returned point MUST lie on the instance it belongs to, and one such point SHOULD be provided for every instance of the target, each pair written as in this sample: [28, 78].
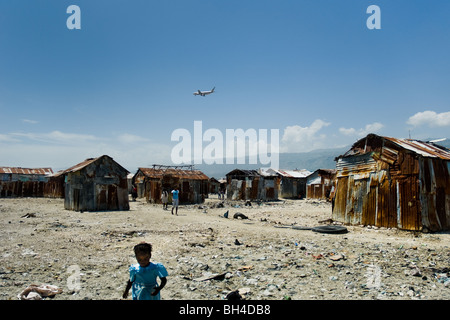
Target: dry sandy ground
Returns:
[87, 254]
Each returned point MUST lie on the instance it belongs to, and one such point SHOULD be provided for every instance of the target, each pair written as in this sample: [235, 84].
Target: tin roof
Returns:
[19, 170]
[426, 149]
[372, 142]
[80, 165]
[179, 173]
[243, 173]
[85, 163]
[303, 173]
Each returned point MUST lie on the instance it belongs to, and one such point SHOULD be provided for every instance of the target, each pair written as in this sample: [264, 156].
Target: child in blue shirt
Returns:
[175, 193]
[143, 275]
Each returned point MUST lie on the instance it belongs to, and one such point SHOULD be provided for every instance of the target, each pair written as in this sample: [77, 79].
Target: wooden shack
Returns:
[395, 183]
[214, 185]
[192, 184]
[23, 182]
[96, 184]
[320, 183]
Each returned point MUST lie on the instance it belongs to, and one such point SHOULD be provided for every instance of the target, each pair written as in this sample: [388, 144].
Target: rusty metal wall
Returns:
[253, 188]
[192, 184]
[318, 191]
[22, 189]
[393, 187]
[54, 188]
[23, 182]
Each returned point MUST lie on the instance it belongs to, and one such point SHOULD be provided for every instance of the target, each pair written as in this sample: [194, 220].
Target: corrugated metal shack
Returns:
[251, 185]
[23, 182]
[389, 182]
[214, 185]
[292, 183]
[96, 184]
[192, 184]
[319, 184]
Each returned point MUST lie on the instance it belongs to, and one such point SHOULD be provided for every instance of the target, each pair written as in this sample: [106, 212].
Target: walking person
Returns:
[175, 194]
[165, 199]
[134, 192]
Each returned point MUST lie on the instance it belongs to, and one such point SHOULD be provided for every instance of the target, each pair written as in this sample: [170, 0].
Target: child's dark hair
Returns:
[143, 248]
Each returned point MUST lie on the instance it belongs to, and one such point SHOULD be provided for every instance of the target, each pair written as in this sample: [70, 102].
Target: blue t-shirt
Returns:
[175, 194]
[144, 280]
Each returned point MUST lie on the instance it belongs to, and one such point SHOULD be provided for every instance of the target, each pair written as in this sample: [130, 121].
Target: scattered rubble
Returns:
[273, 254]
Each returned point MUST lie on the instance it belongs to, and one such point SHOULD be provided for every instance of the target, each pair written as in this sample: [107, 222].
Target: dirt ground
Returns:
[207, 256]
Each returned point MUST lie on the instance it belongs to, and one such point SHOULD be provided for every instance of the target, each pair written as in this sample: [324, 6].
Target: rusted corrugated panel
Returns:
[375, 143]
[242, 174]
[425, 149]
[435, 194]
[19, 170]
[87, 162]
[394, 183]
[54, 188]
[179, 173]
[360, 165]
[294, 173]
[193, 184]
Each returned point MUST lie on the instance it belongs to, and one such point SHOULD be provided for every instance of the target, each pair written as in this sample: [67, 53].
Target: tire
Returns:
[330, 229]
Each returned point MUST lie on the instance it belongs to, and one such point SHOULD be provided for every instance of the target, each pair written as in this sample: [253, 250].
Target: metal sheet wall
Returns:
[409, 192]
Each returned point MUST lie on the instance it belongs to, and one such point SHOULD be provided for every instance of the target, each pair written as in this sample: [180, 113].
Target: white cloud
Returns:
[430, 118]
[131, 138]
[303, 139]
[369, 128]
[55, 137]
[29, 121]
[60, 150]
[7, 138]
[347, 132]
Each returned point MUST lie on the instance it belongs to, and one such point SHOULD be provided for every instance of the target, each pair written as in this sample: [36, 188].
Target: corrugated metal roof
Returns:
[19, 170]
[81, 165]
[426, 149]
[374, 142]
[85, 163]
[243, 172]
[179, 173]
[303, 173]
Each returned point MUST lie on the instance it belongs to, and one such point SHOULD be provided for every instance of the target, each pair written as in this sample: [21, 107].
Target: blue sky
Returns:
[123, 83]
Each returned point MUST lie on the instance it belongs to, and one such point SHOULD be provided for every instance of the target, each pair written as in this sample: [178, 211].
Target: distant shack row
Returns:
[380, 181]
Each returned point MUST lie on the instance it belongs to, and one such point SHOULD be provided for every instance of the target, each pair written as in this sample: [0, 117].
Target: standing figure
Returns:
[144, 274]
[175, 193]
[165, 199]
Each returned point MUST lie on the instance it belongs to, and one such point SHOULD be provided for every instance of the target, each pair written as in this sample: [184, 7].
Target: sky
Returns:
[123, 82]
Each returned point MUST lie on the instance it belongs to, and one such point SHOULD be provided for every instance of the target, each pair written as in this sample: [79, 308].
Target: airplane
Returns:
[203, 93]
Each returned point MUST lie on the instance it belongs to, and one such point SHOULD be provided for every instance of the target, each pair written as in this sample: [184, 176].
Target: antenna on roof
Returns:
[160, 166]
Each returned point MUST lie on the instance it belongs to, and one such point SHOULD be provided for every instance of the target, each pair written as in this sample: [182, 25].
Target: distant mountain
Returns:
[313, 160]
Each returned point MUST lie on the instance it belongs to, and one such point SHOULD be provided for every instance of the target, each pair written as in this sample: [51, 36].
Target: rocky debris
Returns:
[209, 257]
[35, 292]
